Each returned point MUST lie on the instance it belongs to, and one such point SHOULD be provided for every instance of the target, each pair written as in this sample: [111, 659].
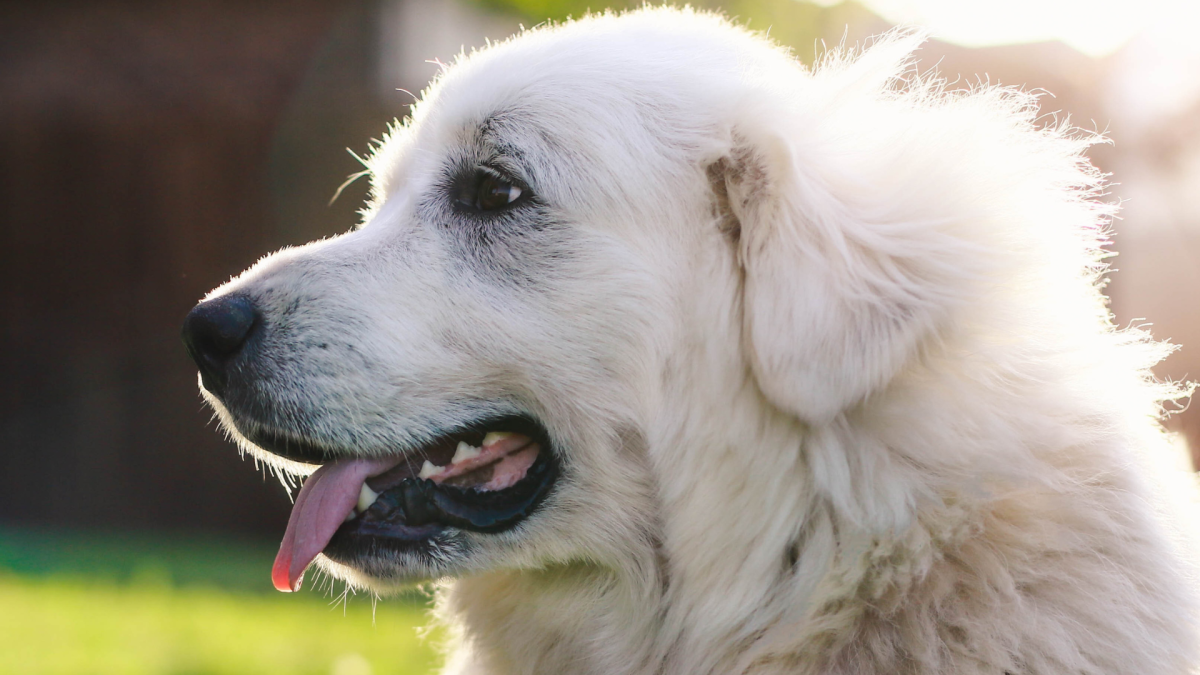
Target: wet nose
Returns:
[214, 332]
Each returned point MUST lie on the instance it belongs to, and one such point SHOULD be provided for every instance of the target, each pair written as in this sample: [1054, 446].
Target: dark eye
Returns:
[487, 190]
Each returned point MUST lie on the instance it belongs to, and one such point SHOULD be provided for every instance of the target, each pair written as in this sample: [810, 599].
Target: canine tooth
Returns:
[350, 516]
[366, 497]
[428, 469]
[464, 452]
[495, 436]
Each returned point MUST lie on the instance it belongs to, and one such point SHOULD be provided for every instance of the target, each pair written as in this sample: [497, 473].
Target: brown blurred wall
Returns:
[136, 140]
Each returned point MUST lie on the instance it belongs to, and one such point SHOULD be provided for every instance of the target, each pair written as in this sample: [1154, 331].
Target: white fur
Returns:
[824, 354]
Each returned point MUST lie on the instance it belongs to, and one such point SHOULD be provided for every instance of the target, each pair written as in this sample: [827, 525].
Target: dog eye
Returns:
[488, 191]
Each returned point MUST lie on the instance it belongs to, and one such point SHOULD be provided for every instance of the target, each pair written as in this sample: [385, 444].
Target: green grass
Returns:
[138, 604]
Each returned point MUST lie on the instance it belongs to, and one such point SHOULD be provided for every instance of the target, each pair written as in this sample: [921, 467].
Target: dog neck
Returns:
[740, 484]
[593, 618]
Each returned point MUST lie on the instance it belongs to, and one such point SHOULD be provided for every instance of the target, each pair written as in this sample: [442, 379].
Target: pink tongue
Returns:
[328, 496]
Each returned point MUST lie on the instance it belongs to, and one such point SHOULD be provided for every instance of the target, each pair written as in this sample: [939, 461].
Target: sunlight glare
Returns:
[1094, 27]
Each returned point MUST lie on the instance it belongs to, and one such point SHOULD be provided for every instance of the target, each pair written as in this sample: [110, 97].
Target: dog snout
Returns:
[214, 333]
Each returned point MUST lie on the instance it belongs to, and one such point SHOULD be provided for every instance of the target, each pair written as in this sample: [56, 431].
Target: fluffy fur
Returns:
[824, 354]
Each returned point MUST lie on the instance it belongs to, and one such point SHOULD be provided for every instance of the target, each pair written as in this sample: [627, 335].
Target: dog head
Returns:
[588, 248]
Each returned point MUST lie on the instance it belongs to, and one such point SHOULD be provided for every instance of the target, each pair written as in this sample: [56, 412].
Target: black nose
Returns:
[214, 332]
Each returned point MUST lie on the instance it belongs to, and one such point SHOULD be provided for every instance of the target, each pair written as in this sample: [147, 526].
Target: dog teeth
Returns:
[466, 451]
[428, 469]
[494, 437]
[366, 497]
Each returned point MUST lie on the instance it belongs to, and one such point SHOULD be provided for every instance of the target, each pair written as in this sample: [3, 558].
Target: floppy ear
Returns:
[838, 292]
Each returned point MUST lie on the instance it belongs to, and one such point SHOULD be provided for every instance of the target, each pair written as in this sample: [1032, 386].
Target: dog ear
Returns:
[837, 293]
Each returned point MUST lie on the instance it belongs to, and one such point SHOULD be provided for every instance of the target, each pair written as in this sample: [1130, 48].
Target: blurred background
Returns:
[150, 150]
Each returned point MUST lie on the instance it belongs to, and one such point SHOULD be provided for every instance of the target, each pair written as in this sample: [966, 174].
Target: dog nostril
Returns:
[214, 332]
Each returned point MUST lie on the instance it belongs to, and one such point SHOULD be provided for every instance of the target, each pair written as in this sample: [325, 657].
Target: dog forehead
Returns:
[570, 109]
[513, 96]
[602, 71]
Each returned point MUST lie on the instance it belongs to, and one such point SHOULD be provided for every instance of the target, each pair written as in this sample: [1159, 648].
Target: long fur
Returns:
[825, 354]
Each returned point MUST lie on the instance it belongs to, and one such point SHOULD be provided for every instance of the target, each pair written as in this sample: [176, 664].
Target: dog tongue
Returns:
[328, 496]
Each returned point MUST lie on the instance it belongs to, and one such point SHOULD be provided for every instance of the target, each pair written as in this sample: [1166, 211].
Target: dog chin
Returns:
[386, 570]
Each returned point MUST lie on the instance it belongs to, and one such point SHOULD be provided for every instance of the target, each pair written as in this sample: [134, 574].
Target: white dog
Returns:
[683, 359]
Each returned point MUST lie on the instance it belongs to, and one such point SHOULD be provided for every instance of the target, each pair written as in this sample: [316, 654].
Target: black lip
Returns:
[289, 447]
[417, 502]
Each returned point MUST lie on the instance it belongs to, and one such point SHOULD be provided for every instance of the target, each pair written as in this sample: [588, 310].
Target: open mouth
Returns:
[486, 478]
